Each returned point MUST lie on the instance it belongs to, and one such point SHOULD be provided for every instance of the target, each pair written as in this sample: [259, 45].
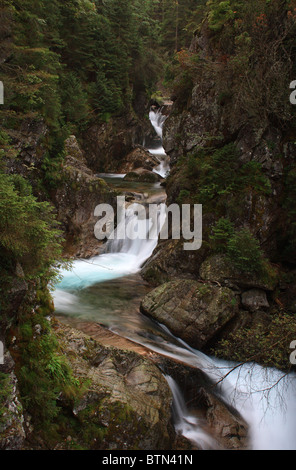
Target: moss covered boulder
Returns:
[193, 311]
[126, 404]
[142, 176]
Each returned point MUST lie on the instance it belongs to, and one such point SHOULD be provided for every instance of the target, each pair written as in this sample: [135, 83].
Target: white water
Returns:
[266, 399]
[157, 120]
[269, 409]
[186, 424]
[124, 257]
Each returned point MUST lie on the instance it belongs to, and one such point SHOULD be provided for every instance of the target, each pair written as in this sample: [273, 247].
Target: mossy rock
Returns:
[193, 311]
[12, 434]
[218, 268]
[127, 404]
[144, 176]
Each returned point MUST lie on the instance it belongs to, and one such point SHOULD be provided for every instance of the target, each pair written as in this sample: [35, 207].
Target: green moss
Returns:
[204, 290]
[44, 374]
[6, 389]
[183, 197]
[267, 343]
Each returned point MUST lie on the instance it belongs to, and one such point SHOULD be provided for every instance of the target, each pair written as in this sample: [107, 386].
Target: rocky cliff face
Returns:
[76, 198]
[206, 122]
[107, 145]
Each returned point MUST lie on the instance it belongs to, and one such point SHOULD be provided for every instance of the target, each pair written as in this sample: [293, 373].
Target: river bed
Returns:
[108, 289]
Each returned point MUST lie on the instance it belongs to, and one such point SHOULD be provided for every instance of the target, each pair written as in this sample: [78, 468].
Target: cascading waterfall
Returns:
[268, 409]
[157, 120]
[123, 256]
[186, 424]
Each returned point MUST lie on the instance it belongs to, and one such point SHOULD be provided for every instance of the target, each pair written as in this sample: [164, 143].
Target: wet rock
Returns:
[193, 311]
[225, 423]
[143, 176]
[255, 299]
[224, 426]
[138, 158]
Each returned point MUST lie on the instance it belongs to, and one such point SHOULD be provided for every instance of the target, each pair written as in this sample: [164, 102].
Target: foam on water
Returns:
[266, 398]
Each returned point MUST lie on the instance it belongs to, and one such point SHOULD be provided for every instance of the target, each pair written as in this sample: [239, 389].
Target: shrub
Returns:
[222, 233]
[245, 253]
[28, 230]
[267, 343]
[43, 372]
[220, 13]
[183, 195]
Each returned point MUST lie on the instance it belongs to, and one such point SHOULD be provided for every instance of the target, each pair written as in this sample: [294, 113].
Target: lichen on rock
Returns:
[126, 404]
[193, 311]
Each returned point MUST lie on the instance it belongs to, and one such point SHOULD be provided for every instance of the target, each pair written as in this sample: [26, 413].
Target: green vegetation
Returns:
[6, 389]
[222, 232]
[27, 226]
[253, 57]
[245, 253]
[218, 180]
[79, 61]
[44, 375]
[241, 247]
[264, 342]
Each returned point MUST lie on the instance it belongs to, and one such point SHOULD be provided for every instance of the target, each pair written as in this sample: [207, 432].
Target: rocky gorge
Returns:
[139, 344]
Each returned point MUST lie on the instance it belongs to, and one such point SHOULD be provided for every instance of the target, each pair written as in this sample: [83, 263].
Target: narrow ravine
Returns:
[107, 290]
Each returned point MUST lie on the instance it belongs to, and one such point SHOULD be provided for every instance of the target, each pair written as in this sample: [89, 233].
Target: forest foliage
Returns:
[65, 65]
[72, 63]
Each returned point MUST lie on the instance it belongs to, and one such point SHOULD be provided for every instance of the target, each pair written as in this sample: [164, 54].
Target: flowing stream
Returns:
[157, 120]
[108, 289]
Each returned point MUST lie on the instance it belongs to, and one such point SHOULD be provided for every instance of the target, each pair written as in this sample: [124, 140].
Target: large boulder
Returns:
[138, 158]
[127, 403]
[193, 311]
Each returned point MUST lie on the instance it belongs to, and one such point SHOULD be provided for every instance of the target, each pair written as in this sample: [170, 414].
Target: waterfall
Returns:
[157, 120]
[186, 423]
[268, 410]
[122, 256]
[143, 233]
